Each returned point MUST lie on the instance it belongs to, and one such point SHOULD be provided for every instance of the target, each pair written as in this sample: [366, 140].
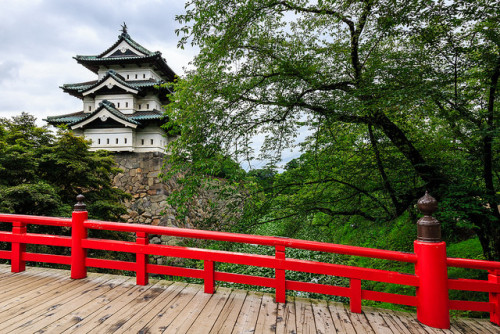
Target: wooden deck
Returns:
[48, 301]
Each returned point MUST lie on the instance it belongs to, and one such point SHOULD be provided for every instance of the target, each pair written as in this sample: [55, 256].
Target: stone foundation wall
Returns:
[140, 179]
[148, 205]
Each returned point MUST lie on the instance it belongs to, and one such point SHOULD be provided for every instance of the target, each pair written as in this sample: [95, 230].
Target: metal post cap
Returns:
[80, 206]
[428, 227]
[427, 204]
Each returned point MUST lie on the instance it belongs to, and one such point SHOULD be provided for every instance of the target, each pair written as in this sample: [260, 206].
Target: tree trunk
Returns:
[488, 233]
[431, 176]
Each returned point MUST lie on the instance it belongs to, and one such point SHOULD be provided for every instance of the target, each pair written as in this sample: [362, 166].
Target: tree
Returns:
[403, 85]
[463, 40]
[41, 174]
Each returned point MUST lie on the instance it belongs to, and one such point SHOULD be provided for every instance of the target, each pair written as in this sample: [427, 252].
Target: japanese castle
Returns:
[122, 108]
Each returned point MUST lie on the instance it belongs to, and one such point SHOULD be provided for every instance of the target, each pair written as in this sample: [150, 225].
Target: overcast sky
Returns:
[39, 38]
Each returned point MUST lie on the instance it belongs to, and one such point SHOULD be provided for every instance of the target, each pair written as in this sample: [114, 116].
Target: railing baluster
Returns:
[433, 303]
[279, 274]
[494, 277]
[78, 233]
[208, 267]
[355, 300]
[18, 248]
[141, 259]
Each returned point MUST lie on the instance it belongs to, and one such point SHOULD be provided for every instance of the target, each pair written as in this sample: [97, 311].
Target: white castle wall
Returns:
[149, 139]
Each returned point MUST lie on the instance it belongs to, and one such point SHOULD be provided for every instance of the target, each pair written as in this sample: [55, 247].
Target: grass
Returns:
[398, 235]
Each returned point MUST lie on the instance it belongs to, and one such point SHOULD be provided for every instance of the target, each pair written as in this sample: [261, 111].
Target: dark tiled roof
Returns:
[155, 58]
[77, 89]
[83, 86]
[147, 115]
[156, 61]
[66, 118]
[145, 83]
[109, 106]
[113, 75]
[79, 86]
[113, 59]
[135, 118]
[126, 37]
[123, 37]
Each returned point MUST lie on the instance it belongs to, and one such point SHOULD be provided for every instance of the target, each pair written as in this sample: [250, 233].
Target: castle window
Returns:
[125, 140]
[140, 106]
[142, 141]
[128, 76]
[107, 141]
[151, 141]
[126, 104]
[147, 106]
[144, 76]
[117, 140]
[118, 104]
[136, 76]
[99, 141]
[90, 108]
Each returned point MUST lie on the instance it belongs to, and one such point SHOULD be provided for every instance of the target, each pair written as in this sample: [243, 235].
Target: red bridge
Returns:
[430, 281]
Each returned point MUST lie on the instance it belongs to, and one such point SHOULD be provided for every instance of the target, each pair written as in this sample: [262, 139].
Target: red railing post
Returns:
[355, 300]
[18, 248]
[141, 259]
[494, 277]
[78, 233]
[279, 274]
[208, 267]
[433, 305]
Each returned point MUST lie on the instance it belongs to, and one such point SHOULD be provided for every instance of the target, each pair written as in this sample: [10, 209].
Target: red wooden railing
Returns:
[431, 281]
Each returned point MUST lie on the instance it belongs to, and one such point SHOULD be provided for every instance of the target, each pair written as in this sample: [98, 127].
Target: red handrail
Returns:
[35, 220]
[79, 262]
[254, 239]
[472, 264]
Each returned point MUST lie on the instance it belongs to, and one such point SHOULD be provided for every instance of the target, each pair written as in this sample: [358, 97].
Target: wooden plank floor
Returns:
[48, 301]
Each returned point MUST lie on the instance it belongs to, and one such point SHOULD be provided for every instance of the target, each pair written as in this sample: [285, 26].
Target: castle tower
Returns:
[122, 108]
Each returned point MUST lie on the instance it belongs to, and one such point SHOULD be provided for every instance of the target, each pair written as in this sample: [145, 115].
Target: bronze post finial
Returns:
[80, 206]
[428, 227]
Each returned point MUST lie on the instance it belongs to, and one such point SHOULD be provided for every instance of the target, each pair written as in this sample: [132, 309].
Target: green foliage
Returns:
[396, 99]
[41, 174]
[264, 177]
[30, 198]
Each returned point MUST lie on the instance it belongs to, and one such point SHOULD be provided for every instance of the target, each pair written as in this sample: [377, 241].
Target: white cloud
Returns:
[9, 70]
[40, 38]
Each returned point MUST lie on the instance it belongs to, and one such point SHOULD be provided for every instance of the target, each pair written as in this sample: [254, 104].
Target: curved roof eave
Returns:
[93, 63]
[126, 37]
[116, 77]
[111, 109]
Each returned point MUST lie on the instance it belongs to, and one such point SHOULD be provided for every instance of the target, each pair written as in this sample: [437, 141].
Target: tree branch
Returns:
[488, 140]
[387, 184]
[359, 190]
[355, 35]
[428, 173]
[314, 10]
[318, 109]
[343, 213]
